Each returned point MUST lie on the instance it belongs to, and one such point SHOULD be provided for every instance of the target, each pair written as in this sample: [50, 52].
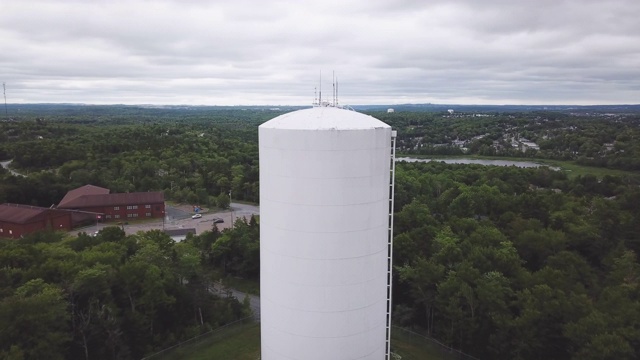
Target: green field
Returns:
[414, 347]
[243, 343]
[236, 343]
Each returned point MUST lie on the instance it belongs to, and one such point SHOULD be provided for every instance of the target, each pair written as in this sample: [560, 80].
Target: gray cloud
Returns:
[270, 52]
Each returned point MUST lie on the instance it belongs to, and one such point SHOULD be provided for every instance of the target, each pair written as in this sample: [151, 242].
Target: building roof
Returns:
[81, 191]
[324, 118]
[137, 198]
[20, 214]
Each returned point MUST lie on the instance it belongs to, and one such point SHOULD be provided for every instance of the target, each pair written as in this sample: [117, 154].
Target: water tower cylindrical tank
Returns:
[324, 219]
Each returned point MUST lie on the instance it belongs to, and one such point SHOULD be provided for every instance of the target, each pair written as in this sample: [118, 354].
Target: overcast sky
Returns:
[255, 52]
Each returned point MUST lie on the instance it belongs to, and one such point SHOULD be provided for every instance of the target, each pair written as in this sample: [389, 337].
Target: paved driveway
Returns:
[179, 219]
[254, 301]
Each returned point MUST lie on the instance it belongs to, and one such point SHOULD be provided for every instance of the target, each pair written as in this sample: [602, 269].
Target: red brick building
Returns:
[114, 207]
[17, 220]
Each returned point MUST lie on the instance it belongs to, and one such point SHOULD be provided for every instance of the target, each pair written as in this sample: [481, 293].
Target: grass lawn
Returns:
[572, 169]
[205, 209]
[237, 343]
[411, 347]
[245, 202]
[243, 343]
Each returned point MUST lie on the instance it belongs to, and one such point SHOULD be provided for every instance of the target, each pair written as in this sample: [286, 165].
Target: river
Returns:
[522, 164]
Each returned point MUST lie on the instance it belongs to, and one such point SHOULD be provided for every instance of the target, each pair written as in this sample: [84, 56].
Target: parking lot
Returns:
[179, 217]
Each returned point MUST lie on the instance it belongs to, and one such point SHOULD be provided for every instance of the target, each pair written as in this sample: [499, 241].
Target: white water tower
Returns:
[326, 199]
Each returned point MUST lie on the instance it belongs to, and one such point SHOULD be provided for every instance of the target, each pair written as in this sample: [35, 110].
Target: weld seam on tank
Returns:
[334, 312]
[325, 259]
[329, 232]
[327, 337]
[384, 198]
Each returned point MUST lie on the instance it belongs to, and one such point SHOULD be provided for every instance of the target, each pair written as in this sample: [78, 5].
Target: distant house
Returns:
[458, 143]
[528, 145]
[113, 207]
[389, 111]
[179, 234]
[17, 220]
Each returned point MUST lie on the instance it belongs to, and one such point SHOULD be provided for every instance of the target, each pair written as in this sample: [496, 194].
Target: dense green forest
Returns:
[509, 263]
[109, 296]
[500, 262]
[193, 156]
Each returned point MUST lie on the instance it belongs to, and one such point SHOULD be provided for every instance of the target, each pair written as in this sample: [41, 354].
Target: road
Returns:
[245, 210]
[177, 220]
[5, 164]
[206, 221]
[254, 301]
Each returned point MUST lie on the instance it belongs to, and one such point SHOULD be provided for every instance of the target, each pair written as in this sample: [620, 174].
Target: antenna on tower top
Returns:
[320, 97]
[337, 105]
[333, 101]
[4, 91]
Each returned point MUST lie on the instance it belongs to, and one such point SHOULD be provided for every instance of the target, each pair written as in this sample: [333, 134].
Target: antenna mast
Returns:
[334, 90]
[320, 98]
[334, 102]
[337, 105]
[4, 90]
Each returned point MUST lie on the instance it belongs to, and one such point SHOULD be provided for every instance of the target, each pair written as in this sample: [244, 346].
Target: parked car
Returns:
[196, 216]
[217, 220]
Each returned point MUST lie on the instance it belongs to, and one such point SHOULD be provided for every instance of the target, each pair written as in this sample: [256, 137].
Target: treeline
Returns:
[509, 263]
[233, 252]
[111, 296]
[196, 161]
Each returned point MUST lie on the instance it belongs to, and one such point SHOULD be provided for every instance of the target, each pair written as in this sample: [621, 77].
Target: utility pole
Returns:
[230, 207]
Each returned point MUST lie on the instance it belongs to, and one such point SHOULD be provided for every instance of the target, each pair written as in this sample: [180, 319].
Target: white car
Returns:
[196, 216]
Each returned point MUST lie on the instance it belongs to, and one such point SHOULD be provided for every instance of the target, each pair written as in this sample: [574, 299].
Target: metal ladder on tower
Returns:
[392, 172]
